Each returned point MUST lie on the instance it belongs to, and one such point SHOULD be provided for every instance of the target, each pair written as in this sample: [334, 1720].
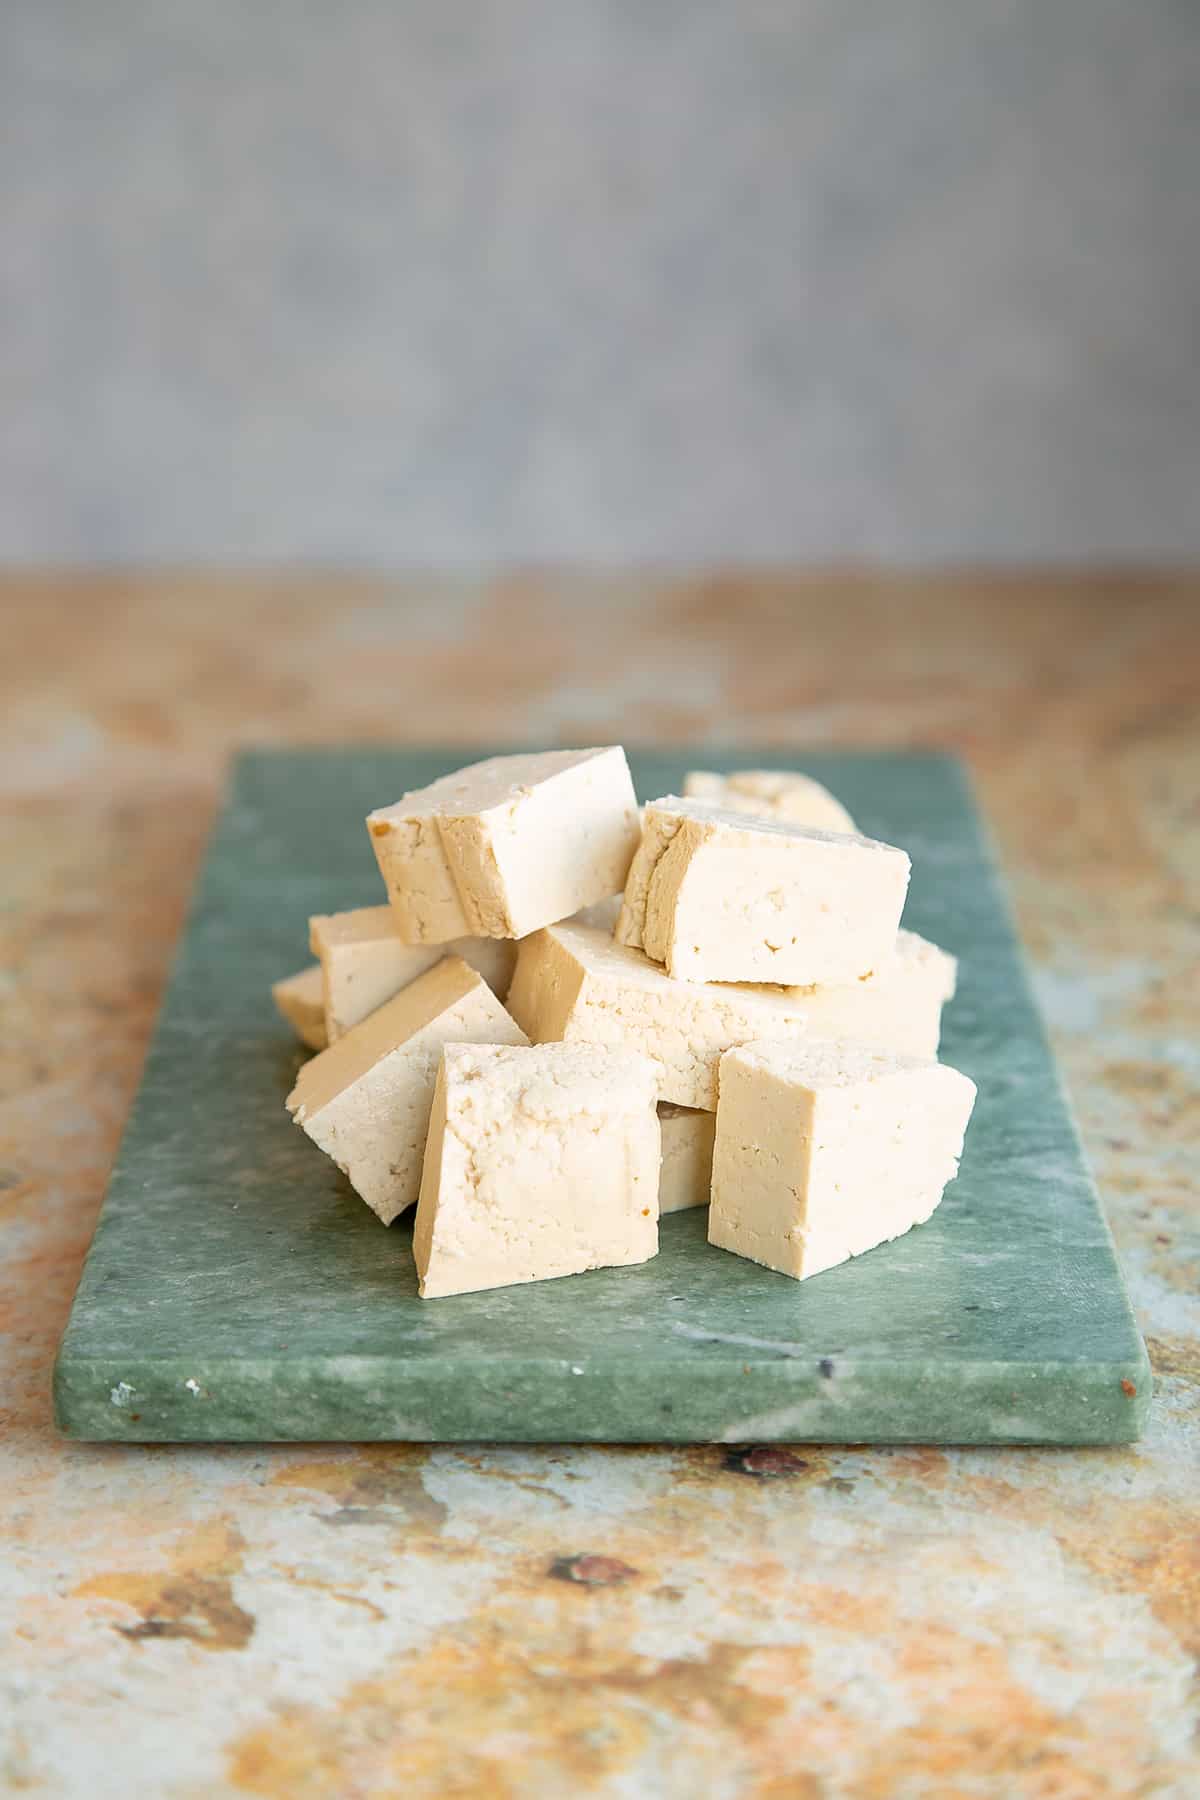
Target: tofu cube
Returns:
[687, 1152]
[719, 896]
[574, 983]
[300, 1000]
[540, 1163]
[366, 1100]
[772, 794]
[364, 961]
[825, 1150]
[506, 846]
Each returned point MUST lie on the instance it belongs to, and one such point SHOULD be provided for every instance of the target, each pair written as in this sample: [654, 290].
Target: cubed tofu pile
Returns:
[570, 1017]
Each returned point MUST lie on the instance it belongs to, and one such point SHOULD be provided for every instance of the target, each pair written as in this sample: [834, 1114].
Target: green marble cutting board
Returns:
[237, 1288]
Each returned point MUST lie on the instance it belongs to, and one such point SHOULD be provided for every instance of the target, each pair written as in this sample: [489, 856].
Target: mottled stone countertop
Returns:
[303, 1621]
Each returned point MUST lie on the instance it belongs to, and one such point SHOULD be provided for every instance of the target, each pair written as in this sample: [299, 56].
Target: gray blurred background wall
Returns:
[465, 282]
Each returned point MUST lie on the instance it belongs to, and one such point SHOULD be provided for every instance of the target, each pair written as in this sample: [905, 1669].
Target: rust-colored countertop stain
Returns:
[755, 1623]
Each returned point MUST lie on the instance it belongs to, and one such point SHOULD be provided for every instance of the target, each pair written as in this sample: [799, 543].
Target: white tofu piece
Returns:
[897, 1007]
[301, 1002]
[772, 794]
[719, 896]
[364, 961]
[365, 1101]
[687, 1151]
[506, 846]
[539, 1163]
[825, 1150]
[576, 984]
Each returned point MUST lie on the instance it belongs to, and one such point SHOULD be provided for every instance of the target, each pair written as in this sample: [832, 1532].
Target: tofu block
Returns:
[576, 984]
[539, 1163]
[506, 846]
[301, 1002]
[897, 1007]
[772, 794]
[364, 961]
[365, 1101]
[720, 896]
[687, 1149]
[825, 1150]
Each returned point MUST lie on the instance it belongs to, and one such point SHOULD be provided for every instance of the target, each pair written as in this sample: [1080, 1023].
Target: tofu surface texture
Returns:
[687, 1151]
[300, 1000]
[505, 846]
[364, 961]
[577, 984]
[720, 896]
[366, 1099]
[825, 1150]
[540, 1163]
[772, 794]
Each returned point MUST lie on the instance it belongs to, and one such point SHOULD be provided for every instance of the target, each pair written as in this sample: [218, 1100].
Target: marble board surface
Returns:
[236, 1288]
